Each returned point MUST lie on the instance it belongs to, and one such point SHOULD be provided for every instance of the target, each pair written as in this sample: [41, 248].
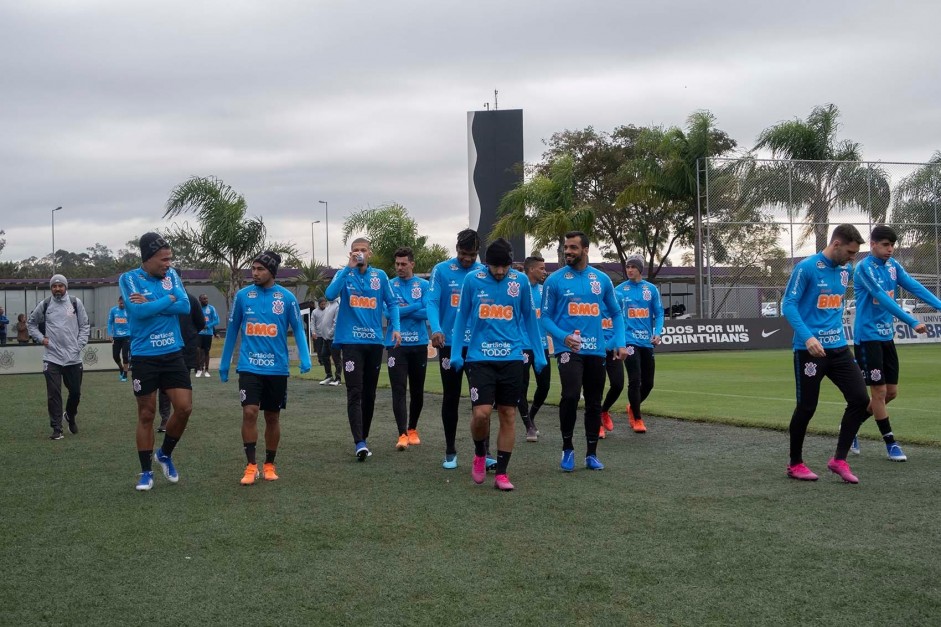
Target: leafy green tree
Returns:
[223, 235]
[544, 208]
[314, 277]
[825, 175]
[388, 227]
[916, 215]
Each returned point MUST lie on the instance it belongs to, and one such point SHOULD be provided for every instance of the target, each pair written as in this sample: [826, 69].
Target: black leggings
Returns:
[641, 368]
[580, 374]
[407, 366]
[839, 366]
[121, 351]
[56, 375]
[615, 373]
[327, 352]
[543, 381]
[451, 382]
[362, 363]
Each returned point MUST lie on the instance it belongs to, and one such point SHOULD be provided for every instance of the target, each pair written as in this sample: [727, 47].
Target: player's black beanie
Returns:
[499, 253]
[150, 243]
[270, 260]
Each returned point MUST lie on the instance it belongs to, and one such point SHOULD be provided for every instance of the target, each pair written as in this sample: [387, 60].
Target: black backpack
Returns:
[45, 306]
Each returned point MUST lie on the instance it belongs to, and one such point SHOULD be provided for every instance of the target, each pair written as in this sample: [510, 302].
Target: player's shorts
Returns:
[879, 362]
[268, 391]
[122, 347]
[159, 372]
[499, 382]
[205, 342]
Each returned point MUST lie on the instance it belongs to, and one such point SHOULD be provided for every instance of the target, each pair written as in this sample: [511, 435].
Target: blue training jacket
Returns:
[155, 328]
[642, 310]
[117, 322]
[263, 316]
[875, 282]
[212, 320]
[536, 289]
[412, 300]
[495, 312]
[444, 294]
[362, 298]
[813, 301]
[579, 300]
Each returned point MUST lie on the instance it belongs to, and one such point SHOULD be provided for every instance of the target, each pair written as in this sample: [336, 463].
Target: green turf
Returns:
[690, 524]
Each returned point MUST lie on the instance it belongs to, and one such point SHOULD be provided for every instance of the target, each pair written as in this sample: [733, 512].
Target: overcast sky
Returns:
[107, 105]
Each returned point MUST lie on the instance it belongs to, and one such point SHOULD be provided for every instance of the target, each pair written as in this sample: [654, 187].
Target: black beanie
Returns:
[499, 253]
[270, 260]
[150, 243]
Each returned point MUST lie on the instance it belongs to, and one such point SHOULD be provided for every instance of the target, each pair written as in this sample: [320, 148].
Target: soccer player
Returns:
[535, 269]
[205, 335]
[444, 293]
[363, 292]
[643, 324]
[120, 334]
[408, 361]
[154, 297]
[875, 282]
[496, 308]
[573, 303]
[263, 313]
[813, 305]
[614, 371]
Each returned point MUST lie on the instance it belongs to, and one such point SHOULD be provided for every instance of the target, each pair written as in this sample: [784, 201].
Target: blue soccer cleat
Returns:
[450, 461]
[491, 463]
[568, 461]
[593, 463]
[854, 447]
[895, 453]
[362, 451]
[166, 464]
[145, 481]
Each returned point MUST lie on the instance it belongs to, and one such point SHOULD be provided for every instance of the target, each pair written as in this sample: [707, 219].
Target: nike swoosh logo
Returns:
[769, 333]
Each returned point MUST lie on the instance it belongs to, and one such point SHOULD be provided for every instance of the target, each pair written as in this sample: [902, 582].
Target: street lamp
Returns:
[313, 257]
[54, 239]
[326, 218]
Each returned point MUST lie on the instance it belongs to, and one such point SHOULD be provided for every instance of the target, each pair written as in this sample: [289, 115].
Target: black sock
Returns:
[249, 451]
[886, 430]
[592, 447]
[532, 411]
[146, 462]
[169, 443]
[480, 448]
[567, 443]
[269, 456]
[503, 459]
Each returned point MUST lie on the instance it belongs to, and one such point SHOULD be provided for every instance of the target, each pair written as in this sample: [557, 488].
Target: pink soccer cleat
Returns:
[840, 467]
[479, 469]
[801, 472]
[502, 482]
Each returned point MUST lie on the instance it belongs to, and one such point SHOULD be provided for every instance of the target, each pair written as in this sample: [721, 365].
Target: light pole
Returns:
[54, 239]
[313, 257]
[326, 226]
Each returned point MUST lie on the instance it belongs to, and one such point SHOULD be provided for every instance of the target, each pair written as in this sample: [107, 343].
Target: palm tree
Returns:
[314, 277]
[544, 209]
[916, 213]
[389, 227]
[825, 175]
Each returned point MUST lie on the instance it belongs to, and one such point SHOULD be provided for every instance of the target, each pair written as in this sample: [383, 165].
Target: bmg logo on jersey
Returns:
[830, 301]
[260, 329]
[584, 309]
[495, 312]
[456, 300]
[638, 312]
[362, 302]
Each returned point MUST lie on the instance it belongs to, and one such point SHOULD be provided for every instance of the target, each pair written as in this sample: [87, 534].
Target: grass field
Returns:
[693, 523]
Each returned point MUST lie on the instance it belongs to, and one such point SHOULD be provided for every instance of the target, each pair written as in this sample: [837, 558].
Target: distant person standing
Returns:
[535, 269]
[206, 333]
[155, 297]
[444, 293]
[876, 281]
[60, 323]
[328, 352]
[4, 321]
[22, 330]
[263, 313]
[496, 307]
[120, 332]
[614, 371]
[363, 291]
[408, 361]
[813, 305]
[314, 321]
[643, 323]
[574, 300]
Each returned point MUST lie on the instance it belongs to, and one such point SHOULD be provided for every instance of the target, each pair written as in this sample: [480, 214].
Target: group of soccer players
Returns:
[493, 322]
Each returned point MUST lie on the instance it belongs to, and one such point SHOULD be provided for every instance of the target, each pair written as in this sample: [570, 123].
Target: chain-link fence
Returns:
[760, 217]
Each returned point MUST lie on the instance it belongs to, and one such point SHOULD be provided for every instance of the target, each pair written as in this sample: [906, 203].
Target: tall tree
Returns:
[916, 215]
[389, 227]
[544, 208]
[825, 173]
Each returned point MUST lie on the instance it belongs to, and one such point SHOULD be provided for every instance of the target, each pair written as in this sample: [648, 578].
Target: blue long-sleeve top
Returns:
[263, 315]
[536, 289]
[494, 312]
[117, 322]
[875, 282]
[412, 301]
[155, 328]
[362, 298]
[212, 320]
[813, 302]
[444, 294]
[642, 310]
[575, 300]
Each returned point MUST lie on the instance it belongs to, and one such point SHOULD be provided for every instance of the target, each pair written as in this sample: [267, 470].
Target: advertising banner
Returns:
[28, 359]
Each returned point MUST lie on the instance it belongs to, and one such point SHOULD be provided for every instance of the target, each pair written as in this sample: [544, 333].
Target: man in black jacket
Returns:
[190, 326]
